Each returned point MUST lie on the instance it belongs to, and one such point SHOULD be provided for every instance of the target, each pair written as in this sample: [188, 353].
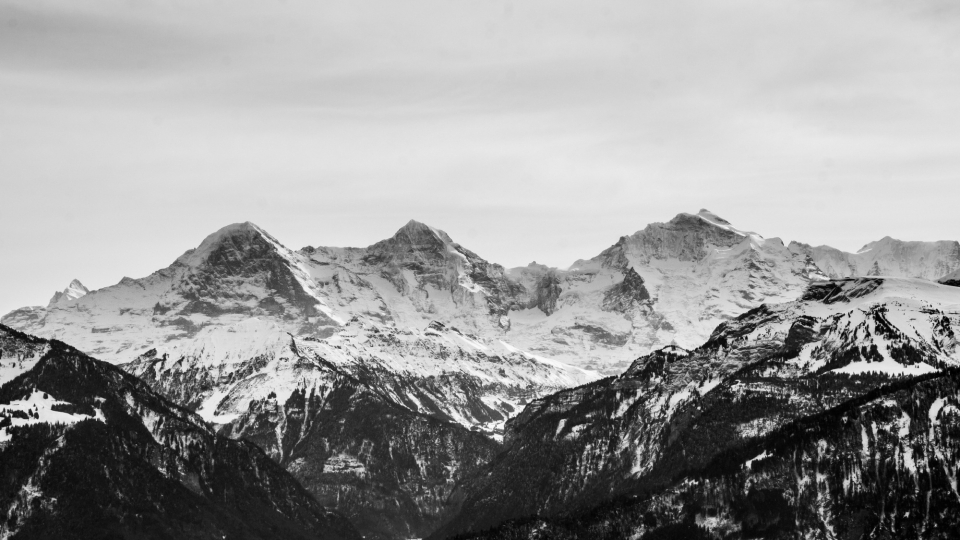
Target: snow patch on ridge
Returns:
[39, 409]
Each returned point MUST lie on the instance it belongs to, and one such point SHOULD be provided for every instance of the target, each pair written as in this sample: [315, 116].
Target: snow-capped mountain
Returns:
[73, 291]
[88, 451]
[670, 283]
[320, 406]
[676, 411]
[289, 349]
[364, 420]
[236, 273]
[887, 257]
[243, 331]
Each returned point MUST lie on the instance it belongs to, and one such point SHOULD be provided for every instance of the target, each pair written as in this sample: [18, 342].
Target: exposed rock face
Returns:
[687, 238]
[885, 461]
[392, 472]
[677, 411]
[627, 295]
[548, 291]
[378, 422]
[887, 257]
[87, 450]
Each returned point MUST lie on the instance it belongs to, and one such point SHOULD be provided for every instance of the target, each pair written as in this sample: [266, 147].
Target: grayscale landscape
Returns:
[620, 271]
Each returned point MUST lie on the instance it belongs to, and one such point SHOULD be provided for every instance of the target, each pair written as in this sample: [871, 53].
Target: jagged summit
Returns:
[686, 237]
[710, 215]
[415, 233]
[232, 243]
[414, 242]
[73, 291]
[718, 221]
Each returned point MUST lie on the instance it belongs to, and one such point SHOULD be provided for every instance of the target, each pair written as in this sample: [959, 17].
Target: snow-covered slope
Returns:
[670, 283]
[73, 291]
[417, 276]
[439, 371]
[886, 257]
[676, 410]
[236, 273]
[366, 418]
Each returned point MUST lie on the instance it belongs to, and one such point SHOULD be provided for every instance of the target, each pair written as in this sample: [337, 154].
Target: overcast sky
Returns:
[528, 130]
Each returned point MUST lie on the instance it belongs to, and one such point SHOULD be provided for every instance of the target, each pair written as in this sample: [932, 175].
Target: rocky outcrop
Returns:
[627, 295]
[548, 292]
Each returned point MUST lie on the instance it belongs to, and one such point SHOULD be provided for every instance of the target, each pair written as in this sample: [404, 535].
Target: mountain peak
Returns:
[718, 221]
[73, 291]
[417, 236]
[236, 235]
[708, 215]
[414, 224]
[416, 229]
[415, 242]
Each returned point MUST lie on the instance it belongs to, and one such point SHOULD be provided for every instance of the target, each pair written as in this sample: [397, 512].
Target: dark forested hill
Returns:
[89, 451]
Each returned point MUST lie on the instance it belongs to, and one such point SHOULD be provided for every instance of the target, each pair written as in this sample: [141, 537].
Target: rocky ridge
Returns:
[886, 257]
[676, 411]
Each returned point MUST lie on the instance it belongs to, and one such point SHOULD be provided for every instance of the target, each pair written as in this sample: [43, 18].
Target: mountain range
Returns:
[417, 389]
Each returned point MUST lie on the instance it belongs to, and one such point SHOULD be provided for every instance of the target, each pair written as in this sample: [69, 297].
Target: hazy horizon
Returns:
[527, 131]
